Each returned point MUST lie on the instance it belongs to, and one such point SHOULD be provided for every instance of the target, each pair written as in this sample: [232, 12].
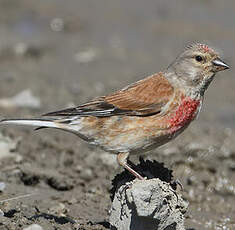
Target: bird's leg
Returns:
[122, 160]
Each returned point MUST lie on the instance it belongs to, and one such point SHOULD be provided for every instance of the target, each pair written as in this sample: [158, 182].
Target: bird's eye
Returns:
[198, 58]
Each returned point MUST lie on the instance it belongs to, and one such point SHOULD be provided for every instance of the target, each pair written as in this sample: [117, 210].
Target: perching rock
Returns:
[147, 204]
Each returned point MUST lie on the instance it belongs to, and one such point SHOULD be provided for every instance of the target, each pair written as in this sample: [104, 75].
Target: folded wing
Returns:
[143, 98]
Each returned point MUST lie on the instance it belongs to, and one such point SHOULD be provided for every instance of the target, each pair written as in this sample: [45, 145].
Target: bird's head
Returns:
[196, 66]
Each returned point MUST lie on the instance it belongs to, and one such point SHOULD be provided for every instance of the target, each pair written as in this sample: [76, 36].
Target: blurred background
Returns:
[59, 53]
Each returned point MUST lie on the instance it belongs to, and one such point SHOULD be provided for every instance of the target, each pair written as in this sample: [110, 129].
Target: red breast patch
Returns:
[185, 113]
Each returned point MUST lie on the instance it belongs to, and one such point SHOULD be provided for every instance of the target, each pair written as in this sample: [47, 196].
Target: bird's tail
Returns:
[43, 123]
[63, 124]
[31, 122]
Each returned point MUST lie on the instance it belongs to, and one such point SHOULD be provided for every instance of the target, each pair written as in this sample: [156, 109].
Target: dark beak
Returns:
[219, 65]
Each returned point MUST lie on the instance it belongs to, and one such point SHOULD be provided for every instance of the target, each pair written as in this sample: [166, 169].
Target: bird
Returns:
[143, 115]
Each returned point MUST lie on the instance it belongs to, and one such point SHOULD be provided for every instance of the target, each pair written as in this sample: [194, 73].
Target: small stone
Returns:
[20, 48]
[57, 24]
[25, 50]
[109, 159]
[86, 174]
[59, 209]
[8, 147]
[60, 184]
[86, 56]
[72, 201]
[18, 158]
[1, 213]
[24, 99]
[170, 150]
[2, 186]
[33, 227]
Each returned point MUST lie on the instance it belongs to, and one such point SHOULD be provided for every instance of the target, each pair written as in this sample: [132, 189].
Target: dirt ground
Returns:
[65, 53]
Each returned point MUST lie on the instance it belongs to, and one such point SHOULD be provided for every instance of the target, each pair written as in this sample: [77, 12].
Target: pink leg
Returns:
[122, 160]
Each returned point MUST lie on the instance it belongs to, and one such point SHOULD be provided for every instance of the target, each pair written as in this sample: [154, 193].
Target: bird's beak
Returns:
[219, 65]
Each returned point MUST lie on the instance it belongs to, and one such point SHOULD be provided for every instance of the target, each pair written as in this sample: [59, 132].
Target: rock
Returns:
[24, 99]
[2, 186]
[86, 174]
[109, 159]
[1, 213]
[87, 55]
[147, 204]
[33, 227]
[22, 49]
[57, 24]
[8, 147]
[58, 209]
[60, 183]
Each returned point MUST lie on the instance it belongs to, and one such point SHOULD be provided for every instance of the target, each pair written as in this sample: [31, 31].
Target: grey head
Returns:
[195, 68]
